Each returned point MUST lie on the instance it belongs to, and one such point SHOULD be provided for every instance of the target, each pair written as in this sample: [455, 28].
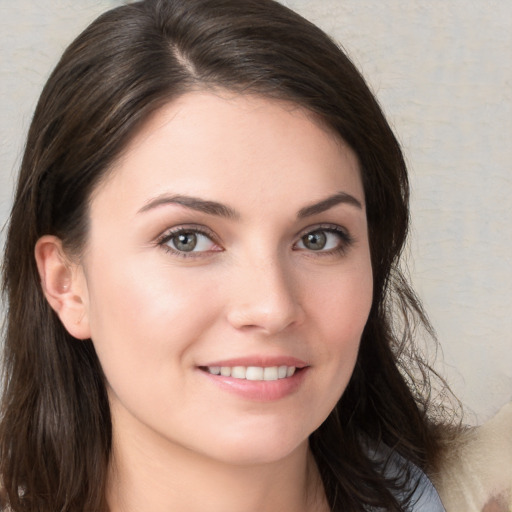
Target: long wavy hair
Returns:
[55, 427]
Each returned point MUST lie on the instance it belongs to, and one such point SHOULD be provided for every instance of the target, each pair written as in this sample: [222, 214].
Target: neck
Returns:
[150, 474]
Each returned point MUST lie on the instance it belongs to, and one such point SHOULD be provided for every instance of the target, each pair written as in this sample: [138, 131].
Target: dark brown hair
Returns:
[55, 430]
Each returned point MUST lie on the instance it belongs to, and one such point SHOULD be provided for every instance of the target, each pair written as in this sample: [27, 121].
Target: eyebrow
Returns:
[194, 203]
[221, 210]
[328, 203]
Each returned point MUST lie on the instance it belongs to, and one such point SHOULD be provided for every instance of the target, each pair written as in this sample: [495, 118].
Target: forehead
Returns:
[235, 149]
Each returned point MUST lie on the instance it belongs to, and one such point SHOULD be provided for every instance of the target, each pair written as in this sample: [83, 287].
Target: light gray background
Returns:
[442, 71]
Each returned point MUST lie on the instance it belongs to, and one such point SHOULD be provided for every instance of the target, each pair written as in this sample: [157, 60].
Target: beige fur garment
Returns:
[476, 473]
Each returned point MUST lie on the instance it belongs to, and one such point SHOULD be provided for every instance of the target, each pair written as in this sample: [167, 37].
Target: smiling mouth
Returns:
[254, 373]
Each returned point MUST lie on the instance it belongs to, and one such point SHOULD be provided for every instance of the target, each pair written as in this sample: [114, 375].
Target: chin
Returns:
[257, 454]
[257, 446]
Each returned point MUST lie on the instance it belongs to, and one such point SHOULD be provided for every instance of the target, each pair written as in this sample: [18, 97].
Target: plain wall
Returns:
[443, 74]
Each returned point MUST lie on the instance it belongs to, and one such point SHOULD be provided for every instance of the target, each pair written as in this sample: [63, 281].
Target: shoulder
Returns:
[416, 489]
[424, 498]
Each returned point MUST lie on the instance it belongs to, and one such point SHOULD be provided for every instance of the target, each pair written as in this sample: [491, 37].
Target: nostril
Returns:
[264, 297]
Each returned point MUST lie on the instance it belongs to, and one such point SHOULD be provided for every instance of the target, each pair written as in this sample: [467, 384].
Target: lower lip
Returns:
[259, 390]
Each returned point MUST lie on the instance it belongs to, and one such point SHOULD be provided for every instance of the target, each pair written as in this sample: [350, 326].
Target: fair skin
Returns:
[232, 233]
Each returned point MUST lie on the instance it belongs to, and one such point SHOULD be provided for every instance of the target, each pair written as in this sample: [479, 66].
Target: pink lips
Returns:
[260, 361]
[259, 390]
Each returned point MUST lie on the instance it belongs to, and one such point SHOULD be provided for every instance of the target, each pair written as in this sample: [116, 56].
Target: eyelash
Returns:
[346, 240]
[166, 237]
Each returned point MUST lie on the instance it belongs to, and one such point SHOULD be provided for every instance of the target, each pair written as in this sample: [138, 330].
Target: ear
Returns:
[64, 286]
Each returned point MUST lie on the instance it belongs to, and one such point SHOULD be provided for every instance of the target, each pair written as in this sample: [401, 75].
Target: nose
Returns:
[264, 297]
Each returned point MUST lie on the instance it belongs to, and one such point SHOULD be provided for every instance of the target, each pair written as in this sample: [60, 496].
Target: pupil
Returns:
[315, 241]
[185, 242]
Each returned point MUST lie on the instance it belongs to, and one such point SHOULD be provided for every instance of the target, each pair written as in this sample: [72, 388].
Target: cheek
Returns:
[337, 307]
[341, 308]
[343, 303]
[140, 313]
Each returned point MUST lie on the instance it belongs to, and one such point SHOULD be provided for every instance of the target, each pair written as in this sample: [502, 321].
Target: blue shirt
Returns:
[424, 497]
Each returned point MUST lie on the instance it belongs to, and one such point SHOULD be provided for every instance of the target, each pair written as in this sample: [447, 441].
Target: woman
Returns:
[214, 318]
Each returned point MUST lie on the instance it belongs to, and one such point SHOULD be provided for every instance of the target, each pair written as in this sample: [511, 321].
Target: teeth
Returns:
[238, 372]
[253, 372]
[270, 373]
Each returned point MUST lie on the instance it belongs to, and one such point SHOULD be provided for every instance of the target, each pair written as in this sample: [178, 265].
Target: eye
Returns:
[326, 240]
[187, 240]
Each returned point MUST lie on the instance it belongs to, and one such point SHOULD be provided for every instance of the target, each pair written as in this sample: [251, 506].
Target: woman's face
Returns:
[231, 237]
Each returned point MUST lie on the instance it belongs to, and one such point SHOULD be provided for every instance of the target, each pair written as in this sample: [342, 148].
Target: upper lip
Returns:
[260, 360]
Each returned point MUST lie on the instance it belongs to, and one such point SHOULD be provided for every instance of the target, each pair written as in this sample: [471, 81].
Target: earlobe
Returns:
[64, 286]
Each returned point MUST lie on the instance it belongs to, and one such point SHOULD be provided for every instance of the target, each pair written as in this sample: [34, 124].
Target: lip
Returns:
[259, 391]
[264, 361]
